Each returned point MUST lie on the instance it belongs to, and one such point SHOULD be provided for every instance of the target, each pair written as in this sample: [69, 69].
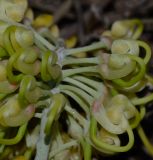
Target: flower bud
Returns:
[100, 114]
[24, 37]
[11, 114]
[127, 29]
[75, 129]
[118, 107]
[121, 46]
[109, 138]
[13, 10]
[43, 20]
[28, 17]
[27, 62]
[116, 66]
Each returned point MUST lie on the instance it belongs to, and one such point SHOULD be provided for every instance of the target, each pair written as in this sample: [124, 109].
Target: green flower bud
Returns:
[13, 10]
[121, 46]
[75, 129]
[127, 28]
[120, 106]
[27, 62]
[11, 113]
[99, 112]
[24, 37]
[116, 66]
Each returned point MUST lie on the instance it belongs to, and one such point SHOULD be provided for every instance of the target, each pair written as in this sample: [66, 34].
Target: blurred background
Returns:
[86, 20]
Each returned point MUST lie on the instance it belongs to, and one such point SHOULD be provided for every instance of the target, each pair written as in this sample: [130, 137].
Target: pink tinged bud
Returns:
[20, 118]
[96, 106]
[6, 87]
[30, 110]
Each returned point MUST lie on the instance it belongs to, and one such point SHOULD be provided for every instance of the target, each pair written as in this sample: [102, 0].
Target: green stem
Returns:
[147, 49]
[70, 72]
[47, 34]
[135, 88]
[68, 61]
[139, 29]
[96, 85]
[101, 145]
[82, 121]
[92, 47]
[87, 149]
[141, 101]
[78, 84]
[81, 102]
[135, 122]
[86, 97]
[43, 41]
[145, 140]
[113, 91]
[44, 62]
[142, 111]
[17, 138]
[41, 46]
[57, 104]
[91, 83]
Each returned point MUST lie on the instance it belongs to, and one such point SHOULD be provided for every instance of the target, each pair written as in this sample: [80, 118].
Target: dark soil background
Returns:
[88, 19]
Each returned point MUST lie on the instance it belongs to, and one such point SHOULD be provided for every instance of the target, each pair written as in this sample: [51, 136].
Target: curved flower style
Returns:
[77, 103]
